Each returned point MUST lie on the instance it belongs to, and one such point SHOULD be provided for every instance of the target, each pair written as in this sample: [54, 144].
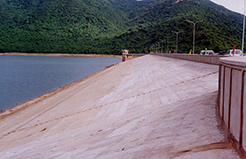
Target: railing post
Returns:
[124, 55]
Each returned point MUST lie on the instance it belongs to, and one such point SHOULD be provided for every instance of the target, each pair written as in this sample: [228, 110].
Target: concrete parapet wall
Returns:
[210, 59]
[232, 99]
[231, 94]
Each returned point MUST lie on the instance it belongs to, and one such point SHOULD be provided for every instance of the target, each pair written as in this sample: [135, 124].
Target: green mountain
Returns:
[108, 26]
[217, 31]
[56, 25]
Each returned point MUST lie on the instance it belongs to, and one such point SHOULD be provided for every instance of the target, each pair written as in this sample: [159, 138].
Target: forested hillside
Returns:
[108, 26]
[217, 31]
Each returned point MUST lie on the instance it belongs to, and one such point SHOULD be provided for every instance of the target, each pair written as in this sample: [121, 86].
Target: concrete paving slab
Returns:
[148, 107]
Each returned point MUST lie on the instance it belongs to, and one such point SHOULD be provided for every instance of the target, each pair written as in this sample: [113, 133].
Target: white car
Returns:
[206, 52]
[236, 53]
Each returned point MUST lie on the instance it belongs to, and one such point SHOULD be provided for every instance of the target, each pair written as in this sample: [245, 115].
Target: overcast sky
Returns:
[234, 5]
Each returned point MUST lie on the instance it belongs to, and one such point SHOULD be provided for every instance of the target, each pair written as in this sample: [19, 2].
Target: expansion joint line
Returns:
[102, 105]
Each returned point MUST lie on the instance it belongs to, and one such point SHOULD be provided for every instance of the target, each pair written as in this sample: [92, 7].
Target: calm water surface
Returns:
[26, 77]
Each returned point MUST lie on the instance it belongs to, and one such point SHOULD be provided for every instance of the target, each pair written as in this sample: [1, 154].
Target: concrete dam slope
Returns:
[148, 107]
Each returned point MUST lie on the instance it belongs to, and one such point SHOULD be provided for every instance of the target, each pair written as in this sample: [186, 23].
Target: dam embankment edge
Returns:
[26, 104]
[148, 107]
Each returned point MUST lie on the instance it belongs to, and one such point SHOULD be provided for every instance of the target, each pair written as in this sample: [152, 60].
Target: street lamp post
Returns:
[162, 46]
[243, 27]
[151, 48]
[177, 34]
[168, 37]
[194, 23]
[161, 41]
[156, 47]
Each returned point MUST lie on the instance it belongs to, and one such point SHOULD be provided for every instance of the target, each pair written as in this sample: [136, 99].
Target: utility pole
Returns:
[194, 30]
[177, 34]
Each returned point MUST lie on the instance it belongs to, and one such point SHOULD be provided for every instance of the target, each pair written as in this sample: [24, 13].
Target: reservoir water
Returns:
[26, 77]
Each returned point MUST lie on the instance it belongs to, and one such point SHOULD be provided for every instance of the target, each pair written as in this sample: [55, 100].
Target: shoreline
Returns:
[61, 54]
[26, 104]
